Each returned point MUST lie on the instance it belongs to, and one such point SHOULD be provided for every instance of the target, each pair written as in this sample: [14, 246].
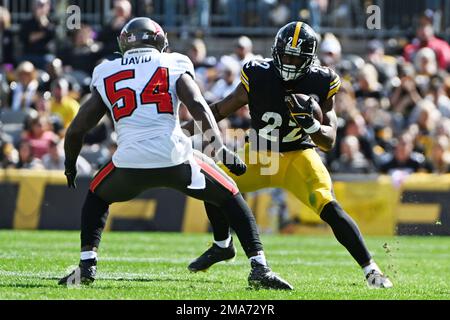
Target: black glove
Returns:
[302, 113]
[232, 161]
[71, 173]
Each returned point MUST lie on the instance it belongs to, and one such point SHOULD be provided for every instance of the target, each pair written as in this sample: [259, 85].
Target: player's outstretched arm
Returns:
[87, 117]
[189, 93]
[325, 137]
[234, 101]
[223, 108]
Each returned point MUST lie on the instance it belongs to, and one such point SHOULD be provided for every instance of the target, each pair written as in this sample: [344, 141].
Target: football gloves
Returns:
[302, 114]
[70, 173]
[231, 160]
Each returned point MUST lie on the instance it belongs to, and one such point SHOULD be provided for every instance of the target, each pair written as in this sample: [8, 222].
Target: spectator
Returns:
[404, 159]
[54, 159]
[426, 39]
[438, 96]
[229, 79]
[279, 15]
[368, 85]
[317, 9]
[356, 126]
[243, 51]
[203, 65]
[38, 136]
[6, 38]
[386, 65]
[37, 35]
[330, 51]
[122, 14]
[61, 103]
[8, 154]
[24, 89]
[440, 155]
[52, 71]
[345, 100]
[351, 159]
[406, 95]
[425, 116]
[425, 62]
[26, 158]
[83, 52]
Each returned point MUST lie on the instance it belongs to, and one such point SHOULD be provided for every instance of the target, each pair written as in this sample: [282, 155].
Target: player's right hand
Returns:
[71, 174]
[232, 161]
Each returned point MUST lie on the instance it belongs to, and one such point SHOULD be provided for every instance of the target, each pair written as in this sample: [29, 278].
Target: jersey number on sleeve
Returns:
[155, 91]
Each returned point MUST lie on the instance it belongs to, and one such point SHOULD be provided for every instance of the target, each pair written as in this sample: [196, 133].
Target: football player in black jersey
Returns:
[267, 86]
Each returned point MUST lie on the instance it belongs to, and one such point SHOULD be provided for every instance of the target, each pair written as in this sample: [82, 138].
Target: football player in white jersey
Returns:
[142, 90]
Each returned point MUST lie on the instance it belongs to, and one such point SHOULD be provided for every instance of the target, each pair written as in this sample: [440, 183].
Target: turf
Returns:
[153, 266]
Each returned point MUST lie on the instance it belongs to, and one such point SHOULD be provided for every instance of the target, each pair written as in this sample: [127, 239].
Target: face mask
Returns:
[289, 72]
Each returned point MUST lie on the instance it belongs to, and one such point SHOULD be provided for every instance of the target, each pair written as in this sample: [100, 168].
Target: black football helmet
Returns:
[297, 39]
[142, 32]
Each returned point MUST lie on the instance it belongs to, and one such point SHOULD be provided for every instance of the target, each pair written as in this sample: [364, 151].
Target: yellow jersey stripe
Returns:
[298, 27]
[336, 84]
[245, 83]
[244, 80]
[333, 91]
[244, 75]
[334, 81]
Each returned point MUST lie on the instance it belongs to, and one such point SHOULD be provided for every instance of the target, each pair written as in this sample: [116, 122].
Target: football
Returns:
[317, 110]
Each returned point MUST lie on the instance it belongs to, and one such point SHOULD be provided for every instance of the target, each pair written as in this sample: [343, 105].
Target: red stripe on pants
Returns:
[101, 176]
[218, 176]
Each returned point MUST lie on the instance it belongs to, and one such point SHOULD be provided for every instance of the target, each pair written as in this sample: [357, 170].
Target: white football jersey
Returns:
[139, 90]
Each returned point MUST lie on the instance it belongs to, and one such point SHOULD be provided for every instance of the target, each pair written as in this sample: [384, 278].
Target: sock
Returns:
[260, 258]
[224, 243]
[93, 220]
[370, 267]
[346, 231]
[243, 223]
[86, 255]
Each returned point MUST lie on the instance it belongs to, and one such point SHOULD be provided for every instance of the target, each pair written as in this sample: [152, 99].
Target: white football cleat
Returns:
[377, 280]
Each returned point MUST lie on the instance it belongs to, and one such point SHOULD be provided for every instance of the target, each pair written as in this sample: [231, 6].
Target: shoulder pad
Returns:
[330, 77]
[251, 67]
[105, 64]
[183, 62]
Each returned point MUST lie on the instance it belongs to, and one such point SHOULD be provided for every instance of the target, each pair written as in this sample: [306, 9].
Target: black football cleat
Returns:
[262, 277]
[211, 256]
[84, 274]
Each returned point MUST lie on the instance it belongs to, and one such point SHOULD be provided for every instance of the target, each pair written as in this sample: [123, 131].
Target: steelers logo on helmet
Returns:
[142, 32]
[294, 50]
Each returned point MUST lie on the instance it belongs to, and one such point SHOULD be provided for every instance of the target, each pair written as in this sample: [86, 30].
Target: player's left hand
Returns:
[303, 113]
[70, 173]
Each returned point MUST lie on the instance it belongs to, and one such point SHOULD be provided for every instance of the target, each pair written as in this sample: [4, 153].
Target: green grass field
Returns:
[153, 266]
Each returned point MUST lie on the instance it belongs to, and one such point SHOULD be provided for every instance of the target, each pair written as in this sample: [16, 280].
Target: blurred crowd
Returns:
[393, 110]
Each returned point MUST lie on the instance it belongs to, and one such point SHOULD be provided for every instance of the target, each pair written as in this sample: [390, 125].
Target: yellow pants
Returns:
[300, 172]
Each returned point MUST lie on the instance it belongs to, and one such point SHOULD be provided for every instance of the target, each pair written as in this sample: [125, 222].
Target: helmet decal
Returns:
[298, 27]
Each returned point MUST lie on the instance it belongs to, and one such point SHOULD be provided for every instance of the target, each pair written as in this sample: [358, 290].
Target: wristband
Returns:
[314, 128]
